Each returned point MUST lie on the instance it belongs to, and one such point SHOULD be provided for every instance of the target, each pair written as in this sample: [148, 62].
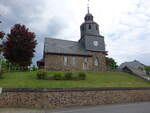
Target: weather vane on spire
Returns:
[88, 6]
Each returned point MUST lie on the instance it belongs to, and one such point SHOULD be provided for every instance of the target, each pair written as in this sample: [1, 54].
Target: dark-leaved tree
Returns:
[19, 46]
[1, 38]
[111, 64]
[2, 34]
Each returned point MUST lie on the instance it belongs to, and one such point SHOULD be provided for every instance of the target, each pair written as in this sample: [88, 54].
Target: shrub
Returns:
[68, 76]
[81, 76]
[34, 68]
[25, 69]
[1, 74]
[41, 74]
[57, 76]
[147, 69]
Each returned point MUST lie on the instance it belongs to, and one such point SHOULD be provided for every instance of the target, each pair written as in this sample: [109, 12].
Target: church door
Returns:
[85, 64]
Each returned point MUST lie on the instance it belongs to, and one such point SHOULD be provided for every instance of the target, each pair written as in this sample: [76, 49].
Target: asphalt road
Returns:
[124, 108]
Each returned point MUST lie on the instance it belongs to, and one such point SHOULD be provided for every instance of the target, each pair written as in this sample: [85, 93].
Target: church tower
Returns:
[92, 41]
[90, 35]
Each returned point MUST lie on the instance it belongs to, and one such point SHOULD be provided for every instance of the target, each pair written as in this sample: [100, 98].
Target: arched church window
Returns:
[85, 60]
[65, 60]
[89, 26]
[73, 60]
[96, 61]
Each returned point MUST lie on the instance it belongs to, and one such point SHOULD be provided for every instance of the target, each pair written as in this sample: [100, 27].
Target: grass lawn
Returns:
[94, 79]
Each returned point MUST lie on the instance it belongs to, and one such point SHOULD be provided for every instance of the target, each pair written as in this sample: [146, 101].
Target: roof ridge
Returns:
[60, 39]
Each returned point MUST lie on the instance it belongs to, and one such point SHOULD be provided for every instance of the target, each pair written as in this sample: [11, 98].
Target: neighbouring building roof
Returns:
[137, 72]
[133, 64]
[57, 46]
[135, 67]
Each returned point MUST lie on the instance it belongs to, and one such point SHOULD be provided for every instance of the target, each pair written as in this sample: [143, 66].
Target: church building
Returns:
[86, 54]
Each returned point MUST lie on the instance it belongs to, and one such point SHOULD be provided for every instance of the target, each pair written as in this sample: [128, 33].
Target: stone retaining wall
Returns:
[59, 98]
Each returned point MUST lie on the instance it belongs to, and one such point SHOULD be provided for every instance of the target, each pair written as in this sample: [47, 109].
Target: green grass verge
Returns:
[93, 80]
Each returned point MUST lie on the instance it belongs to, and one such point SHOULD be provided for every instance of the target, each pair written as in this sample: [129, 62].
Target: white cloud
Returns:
[132, 35]
[4, 10]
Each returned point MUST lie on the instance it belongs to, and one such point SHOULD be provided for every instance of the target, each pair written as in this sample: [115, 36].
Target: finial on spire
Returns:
[88, 8]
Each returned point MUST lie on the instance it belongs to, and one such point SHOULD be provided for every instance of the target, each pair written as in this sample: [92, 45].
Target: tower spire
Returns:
[88, 8]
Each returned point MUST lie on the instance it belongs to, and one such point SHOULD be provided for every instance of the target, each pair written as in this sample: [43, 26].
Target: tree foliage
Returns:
[1, 38]
[2, 34]
[147, 69]
[19, 46]
[111, 64]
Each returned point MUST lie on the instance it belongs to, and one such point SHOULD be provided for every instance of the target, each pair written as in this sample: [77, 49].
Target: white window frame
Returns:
[73, 60]
[85, 60]
[65, 60]
[96, 61]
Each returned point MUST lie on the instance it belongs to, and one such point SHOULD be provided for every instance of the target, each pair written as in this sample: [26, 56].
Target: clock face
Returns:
[95, 43]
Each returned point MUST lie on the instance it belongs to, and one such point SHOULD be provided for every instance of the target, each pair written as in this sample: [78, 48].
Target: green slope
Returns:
[94, 79]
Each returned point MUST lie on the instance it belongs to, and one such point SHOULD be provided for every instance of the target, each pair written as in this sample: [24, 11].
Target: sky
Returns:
[125, 24]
